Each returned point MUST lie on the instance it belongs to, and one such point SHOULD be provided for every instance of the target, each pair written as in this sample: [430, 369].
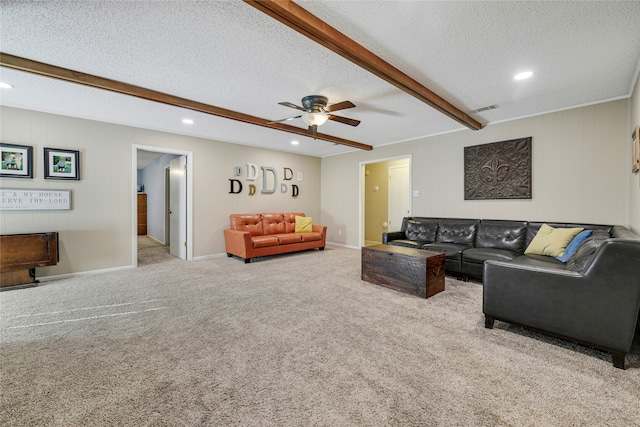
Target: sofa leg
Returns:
[247, 260]
[229, 255]
[322, 248]
[488, 321]
[618, 359]
[465, 277]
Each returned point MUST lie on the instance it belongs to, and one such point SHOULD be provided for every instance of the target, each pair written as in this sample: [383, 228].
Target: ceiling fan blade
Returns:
[290, 105]
[312, 130]
[284, 120]
[339, 106]
[345, 120]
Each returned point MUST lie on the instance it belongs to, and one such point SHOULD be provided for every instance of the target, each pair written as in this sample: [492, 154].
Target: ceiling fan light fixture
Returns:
[315, 119]
[523, 75]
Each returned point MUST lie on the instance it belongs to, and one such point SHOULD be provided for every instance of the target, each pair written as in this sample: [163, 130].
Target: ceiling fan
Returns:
[317, 112]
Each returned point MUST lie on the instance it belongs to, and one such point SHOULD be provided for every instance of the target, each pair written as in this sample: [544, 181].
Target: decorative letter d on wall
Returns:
[266, 169]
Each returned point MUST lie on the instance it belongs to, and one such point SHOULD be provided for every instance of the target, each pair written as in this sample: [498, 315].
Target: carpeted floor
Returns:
[151, 251]
[292, 340]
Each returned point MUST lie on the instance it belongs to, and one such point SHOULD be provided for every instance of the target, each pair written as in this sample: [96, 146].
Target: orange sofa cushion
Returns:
[272, 223]
[287, 238]
[279, 223]
[290, 221]
[310, 237]
[247, 222]
[264, 241]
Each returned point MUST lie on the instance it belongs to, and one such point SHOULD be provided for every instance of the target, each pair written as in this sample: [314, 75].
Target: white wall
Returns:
[580, 169]
[98, 232]
[580, 173]
[634, 180]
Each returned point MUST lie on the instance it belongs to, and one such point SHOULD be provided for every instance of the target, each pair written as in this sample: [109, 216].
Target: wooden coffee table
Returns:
[414, 271]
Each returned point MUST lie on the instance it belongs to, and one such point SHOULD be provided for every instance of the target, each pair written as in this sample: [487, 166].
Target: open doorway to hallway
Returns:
[162, 219]
[385, 197]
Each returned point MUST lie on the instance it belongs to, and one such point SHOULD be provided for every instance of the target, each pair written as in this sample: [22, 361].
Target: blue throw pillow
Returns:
[572, 247]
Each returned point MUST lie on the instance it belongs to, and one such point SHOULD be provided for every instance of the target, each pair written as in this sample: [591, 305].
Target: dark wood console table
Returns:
[20, 254]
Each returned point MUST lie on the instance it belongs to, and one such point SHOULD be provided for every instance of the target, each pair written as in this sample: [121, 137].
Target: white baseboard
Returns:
[129, 267]
[83, 273]
[202, 257]
[342, 245]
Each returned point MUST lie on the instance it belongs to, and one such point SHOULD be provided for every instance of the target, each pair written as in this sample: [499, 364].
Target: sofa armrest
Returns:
[238, 243]
[621, 232]
[392, 235]
[599, 306]
[322, 229]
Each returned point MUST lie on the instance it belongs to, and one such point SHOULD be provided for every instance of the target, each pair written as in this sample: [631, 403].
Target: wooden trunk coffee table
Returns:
[414, 271]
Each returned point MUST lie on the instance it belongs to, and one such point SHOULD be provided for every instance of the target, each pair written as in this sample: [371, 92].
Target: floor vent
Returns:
[481, 109]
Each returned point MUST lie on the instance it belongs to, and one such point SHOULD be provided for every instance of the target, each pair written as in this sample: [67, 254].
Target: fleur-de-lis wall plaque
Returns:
[500, 170]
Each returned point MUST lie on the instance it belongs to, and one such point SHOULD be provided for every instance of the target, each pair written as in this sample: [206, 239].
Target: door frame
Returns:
[361, 189]
[134, 192]
[167, 225]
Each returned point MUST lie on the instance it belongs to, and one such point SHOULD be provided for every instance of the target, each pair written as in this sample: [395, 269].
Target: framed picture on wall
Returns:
[17, 161]
[61, 164]
[635, 150]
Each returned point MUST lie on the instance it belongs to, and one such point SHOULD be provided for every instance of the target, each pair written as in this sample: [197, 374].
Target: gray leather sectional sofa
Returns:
[593, 298]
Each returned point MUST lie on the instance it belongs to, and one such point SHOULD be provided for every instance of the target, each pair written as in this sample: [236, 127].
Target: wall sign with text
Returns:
[34, 200]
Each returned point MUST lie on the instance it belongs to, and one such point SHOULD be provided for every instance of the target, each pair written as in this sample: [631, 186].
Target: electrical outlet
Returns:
[339, 232]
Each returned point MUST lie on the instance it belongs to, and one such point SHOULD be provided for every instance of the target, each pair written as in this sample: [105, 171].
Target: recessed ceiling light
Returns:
[187, 121]
[523, 75]
[295, 142]
[4, 85]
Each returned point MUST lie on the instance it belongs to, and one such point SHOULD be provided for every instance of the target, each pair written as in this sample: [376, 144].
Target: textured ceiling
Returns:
[230, 55]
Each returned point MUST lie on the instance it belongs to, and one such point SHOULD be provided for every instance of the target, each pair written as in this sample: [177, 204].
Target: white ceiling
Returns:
[230, 55]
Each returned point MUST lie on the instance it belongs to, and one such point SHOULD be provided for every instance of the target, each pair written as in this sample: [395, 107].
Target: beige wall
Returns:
[97, 233]
[580, 172]
[634, 180]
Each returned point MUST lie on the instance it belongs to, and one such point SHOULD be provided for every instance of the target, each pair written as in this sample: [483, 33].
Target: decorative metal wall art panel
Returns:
[500, 170]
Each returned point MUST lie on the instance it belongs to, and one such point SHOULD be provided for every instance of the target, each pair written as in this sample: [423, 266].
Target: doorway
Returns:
[385, 197]
[399, 196]
[159, 175]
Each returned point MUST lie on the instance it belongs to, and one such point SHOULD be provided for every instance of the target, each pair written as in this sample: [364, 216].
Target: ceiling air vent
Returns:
[481, 109]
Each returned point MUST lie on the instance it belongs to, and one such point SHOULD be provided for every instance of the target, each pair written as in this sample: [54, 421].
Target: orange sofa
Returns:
[257, 235]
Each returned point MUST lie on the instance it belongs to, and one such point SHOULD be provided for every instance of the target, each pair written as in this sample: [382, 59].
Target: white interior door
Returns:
[178, 207]
[399, 196]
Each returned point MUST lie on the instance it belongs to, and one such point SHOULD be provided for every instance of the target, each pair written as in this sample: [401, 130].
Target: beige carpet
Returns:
[295, 340]
[151, 251]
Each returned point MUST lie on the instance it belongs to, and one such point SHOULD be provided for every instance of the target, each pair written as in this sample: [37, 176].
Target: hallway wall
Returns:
[97, 234]
[580, 172]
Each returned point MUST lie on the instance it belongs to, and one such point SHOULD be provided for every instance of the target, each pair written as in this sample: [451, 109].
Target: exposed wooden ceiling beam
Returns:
[40, 68]
[297, 18]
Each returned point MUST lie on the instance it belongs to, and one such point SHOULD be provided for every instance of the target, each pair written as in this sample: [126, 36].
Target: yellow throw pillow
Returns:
[303, 224]
[551, 241]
